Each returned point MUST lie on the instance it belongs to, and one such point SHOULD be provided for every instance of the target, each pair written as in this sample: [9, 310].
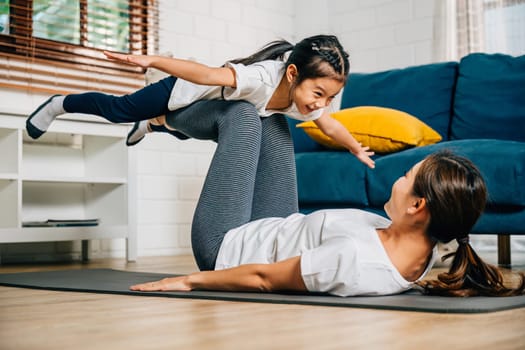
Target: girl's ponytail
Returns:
[469, 275]
[274, 50]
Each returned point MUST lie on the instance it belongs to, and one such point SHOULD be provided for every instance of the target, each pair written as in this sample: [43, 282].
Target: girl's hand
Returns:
[363, 154]
[143, 61]
[166, 284]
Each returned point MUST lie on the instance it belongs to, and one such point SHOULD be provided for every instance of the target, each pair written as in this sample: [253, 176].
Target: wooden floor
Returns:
[34, 319]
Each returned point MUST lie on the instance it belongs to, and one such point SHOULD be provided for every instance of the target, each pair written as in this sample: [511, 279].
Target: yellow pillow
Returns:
[384, 130]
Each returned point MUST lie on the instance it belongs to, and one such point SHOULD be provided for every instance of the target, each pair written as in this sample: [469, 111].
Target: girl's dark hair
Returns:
[274, 50]
[308, 56]
[455, 195]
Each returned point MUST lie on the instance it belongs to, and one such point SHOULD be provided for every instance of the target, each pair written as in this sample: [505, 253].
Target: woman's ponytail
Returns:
[468, 276]
[455, 195]
[274, 50]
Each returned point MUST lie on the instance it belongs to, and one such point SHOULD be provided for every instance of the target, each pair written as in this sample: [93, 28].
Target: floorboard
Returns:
[36, 319]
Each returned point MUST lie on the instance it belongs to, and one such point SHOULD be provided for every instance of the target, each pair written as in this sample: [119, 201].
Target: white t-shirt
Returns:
[256, 84]
[340, 250]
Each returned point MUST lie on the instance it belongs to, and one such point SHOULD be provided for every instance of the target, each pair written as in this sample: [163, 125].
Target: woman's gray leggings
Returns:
[251, 176]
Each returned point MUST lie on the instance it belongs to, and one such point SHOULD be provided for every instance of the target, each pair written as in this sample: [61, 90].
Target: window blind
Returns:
[56, 46]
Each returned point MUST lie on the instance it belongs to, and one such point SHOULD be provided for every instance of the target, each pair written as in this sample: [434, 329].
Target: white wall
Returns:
[379, 34]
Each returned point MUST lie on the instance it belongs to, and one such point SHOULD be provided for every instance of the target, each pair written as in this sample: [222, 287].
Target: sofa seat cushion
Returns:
[500, 220]
[502, 164]
[330, 177]
[425, 92]
[490, 98]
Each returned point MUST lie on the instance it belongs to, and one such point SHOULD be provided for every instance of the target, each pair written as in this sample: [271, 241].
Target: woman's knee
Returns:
[241, 112]
[241, 119]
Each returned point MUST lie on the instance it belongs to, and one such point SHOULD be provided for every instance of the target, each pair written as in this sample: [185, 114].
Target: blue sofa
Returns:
[477, 105]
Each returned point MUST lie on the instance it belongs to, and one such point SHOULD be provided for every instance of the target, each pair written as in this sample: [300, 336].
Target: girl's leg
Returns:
[145, 103]
[275, 192]
[227, 195]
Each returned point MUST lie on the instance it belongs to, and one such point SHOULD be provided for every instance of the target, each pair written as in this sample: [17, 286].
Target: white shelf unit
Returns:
[77, 170]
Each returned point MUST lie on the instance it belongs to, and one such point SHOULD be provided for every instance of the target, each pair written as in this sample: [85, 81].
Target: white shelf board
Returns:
[8, 176]
[65, 179]
[72, 233]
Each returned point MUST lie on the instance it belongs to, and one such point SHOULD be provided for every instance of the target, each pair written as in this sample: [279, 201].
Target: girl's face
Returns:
[312, 94]
[316, 93]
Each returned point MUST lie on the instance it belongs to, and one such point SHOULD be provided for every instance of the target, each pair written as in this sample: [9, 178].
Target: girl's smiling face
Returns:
[313, 94]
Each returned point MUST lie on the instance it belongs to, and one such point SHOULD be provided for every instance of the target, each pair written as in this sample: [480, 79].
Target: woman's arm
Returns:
[188, 70]
[335, 130]
[283, 275]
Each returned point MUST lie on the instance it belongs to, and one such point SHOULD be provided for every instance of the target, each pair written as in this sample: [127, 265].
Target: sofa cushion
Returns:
[384, 130]
[502, 164]
[501, 220]
[490, 98]
[330, 177]
[423, 91]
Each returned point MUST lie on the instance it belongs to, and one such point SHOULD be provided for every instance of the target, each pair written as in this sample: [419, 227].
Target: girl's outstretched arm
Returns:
[335, 130]
[283, 275]
[188, 70]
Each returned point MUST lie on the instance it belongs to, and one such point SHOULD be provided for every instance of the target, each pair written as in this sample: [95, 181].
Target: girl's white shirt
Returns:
[256, 84]
[340, 250]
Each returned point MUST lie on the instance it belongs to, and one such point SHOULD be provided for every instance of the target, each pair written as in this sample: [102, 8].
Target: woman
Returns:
[248, 236]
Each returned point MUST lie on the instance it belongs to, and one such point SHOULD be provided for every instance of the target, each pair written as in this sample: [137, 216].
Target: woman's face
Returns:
[402, 197]
[316, 93]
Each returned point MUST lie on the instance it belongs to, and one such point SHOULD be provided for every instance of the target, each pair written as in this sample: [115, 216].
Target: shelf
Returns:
[61, 155]
[52, 234]
[77, 170]
[8, 151]
[72, 201]
[8, 176]
[86, 180]
[8, 203]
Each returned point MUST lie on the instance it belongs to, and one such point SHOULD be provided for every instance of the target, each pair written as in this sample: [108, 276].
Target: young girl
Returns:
[301, 88]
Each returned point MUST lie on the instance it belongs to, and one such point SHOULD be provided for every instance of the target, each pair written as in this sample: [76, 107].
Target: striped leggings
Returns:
[251, 176]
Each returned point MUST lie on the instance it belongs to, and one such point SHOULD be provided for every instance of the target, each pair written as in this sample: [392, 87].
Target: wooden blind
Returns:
[55, 46]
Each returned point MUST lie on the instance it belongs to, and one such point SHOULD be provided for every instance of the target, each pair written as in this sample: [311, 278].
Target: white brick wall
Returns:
[378, 34]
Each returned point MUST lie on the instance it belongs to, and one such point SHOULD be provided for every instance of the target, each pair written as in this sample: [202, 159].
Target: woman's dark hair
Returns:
[455, 195]
[308, 56]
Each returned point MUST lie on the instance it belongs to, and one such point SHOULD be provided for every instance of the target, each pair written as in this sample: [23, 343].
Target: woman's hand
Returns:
[167, 284]
[143, 61]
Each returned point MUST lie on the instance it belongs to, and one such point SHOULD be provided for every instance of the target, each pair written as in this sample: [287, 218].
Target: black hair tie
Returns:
[463, 240]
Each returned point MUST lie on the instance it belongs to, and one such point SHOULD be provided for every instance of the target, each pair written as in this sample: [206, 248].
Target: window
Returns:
[4, 16]
[493, 26]
[56, 45]
[505, 26]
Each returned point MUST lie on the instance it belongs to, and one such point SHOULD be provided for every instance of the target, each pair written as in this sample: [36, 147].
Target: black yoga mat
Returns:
[118, 282]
